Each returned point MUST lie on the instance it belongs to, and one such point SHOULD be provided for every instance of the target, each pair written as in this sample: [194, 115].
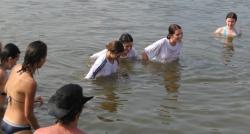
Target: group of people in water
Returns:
[163, 50]
[19, 87]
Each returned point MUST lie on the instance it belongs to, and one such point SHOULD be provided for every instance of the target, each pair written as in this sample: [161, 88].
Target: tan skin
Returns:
[174, 38]
[127, 47]
[231, 31]
[60, 128]
[21, 87]
[6, 65]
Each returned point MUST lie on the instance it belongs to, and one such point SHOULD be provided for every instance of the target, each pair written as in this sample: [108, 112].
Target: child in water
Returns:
[229, 31]
[128, 53]
[166, 49]
[107, 63]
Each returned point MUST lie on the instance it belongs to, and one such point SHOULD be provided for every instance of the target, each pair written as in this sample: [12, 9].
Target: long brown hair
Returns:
[35, 52]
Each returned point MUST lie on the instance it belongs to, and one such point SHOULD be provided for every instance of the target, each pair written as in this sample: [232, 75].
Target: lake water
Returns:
[205, 92]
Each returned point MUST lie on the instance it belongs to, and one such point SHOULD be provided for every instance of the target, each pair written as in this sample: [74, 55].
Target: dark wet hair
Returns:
[9, 50]
[232, 15]
[35, 52]
[125, 38]
[115, 46]
[172, 28]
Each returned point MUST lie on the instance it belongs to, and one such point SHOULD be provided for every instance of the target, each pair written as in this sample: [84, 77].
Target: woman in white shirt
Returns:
[107, 62]
[128, 53]
[166, 49]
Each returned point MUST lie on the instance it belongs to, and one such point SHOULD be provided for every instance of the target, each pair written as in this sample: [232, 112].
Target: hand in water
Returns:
[39, 99]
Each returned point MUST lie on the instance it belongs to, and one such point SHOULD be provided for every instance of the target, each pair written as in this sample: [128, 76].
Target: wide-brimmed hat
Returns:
[65, 99]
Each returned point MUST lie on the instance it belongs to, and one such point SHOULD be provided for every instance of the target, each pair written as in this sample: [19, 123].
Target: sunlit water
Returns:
[206, 91]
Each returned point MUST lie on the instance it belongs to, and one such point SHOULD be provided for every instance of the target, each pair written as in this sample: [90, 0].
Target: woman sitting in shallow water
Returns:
[229, 31]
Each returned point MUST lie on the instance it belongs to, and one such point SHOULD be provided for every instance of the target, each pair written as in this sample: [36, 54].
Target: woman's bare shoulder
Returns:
[219, 30]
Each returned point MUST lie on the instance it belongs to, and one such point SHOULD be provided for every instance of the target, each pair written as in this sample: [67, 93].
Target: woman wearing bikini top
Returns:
[21, 88]
[229, 31]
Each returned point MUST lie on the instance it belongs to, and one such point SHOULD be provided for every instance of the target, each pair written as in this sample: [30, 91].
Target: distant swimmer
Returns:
[229, 30]
[107, 63]
[166, 49]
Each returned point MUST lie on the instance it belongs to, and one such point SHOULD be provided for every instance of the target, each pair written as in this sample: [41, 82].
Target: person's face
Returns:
[177, 36]
[12, 61]
[127, 47]
[230, 22]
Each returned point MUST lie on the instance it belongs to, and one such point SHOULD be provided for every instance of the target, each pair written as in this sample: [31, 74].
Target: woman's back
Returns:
[18, 88]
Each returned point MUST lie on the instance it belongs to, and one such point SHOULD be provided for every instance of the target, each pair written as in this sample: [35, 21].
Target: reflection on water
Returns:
[109, 98]
[227, 53]
[150, 98]
[172, 77]
[168, 105]
[126, 67]
[228, 48]
[170, 72]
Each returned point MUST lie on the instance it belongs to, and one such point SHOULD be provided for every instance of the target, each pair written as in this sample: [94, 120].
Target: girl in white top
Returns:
[128, 53]
[166, 49]
[229, 30]
[107, 62]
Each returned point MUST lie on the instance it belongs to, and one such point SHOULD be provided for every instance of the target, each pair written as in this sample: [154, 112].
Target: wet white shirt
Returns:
[102, 67]
[162, 51]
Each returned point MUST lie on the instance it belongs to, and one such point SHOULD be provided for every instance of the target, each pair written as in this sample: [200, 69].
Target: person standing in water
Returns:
[21, 89]
[107, 63]
[166, 49]
[9, 56]
[229, 31]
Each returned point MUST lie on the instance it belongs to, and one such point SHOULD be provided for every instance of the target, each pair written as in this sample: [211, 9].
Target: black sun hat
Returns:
[65, 99]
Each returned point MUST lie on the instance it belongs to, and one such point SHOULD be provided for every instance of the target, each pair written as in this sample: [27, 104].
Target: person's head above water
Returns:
[9, 55]
[115, 48]
[127, 41]
[231, 19]
[175, 33]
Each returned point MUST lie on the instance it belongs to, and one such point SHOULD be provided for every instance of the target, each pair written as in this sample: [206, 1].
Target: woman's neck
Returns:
[230, 28]
[172, 42]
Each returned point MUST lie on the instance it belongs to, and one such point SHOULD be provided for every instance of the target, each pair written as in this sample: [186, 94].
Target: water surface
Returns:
[206, 91]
